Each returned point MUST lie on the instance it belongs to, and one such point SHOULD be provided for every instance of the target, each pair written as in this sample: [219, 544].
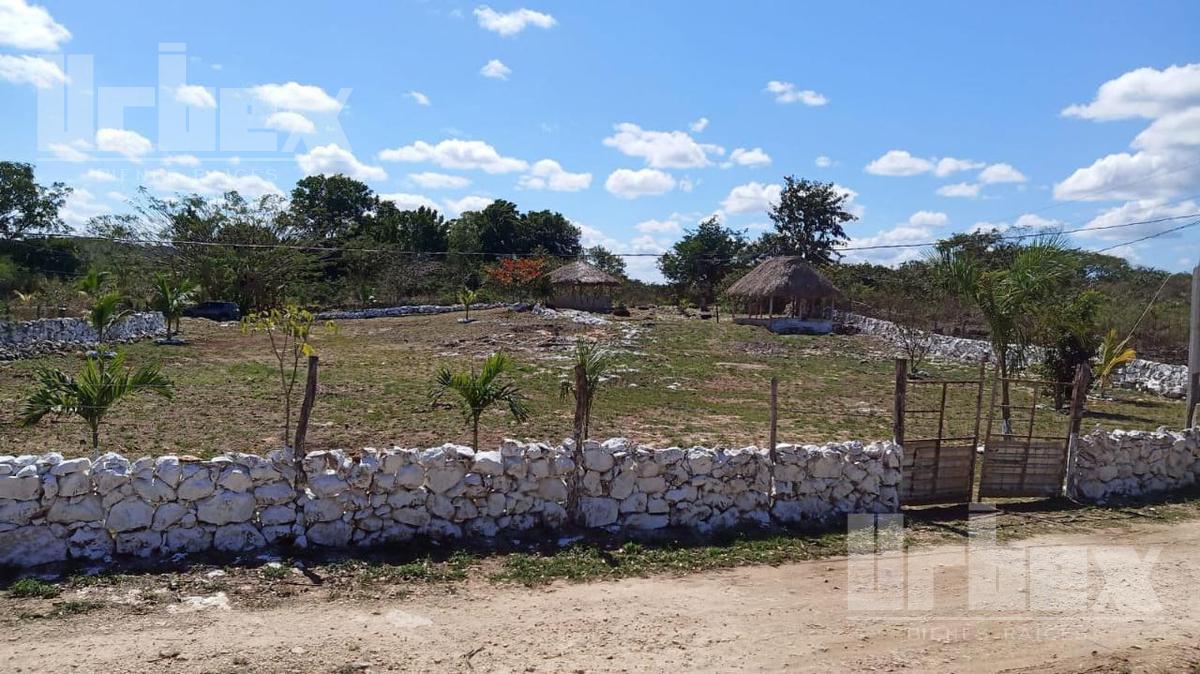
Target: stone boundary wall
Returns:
[1145, 375]
[50, 335]
[1133, 463]
[407, 310]
[53, 510]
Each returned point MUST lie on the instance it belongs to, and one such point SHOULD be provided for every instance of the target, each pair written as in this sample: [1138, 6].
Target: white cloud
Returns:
[290, 122]
[1136, 211]
[547, 174]
[181, 160]
[131, 144]
[1001, 173]
[823, 161]
[25, 26]
[965, 190]
[671, 226]
[1177, 129]
[195, 96]
[410, 202]
[330, 159]
[630, 184]
[1034, 221]
[900, 235]
[1145, 92]
[495, 69]
[72, 151]
[662, 149]
[751, 197]
[81, 206]
[420, 98]
[473, 202]
[850, 204]
[209, 183]
[1144, 175]
[39, 72]
[456, 154]
[785, 92]
[949, 165]
[116, 196]
[699, 125]
[929, 219]
[296, 96]
[508, 24]
[899, 163]
[438, 181]
[754, 158]
[98, 176]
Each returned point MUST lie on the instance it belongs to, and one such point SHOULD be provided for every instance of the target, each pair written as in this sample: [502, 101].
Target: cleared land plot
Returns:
[678, 381]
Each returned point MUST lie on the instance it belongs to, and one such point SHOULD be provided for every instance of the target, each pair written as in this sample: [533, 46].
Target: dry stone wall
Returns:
[48, 335]
[407, 310]
[1122, 464]
[53, 509]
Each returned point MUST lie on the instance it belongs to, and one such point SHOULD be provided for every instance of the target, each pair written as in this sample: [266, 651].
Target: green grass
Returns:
[28, 588]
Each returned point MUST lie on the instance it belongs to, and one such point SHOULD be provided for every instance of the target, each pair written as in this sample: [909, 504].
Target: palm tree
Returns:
[597, 361]
[1112, 355]
[477, 391]
[93, 283]
[1005, 297]
[25, 298]
[171, 295]
[105, 313]
[90, 395]
[467, 297]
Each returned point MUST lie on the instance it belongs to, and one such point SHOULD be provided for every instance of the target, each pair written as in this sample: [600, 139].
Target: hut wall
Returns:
[600, 302]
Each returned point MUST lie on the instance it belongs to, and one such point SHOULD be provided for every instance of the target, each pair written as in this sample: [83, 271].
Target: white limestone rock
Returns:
[226, 508]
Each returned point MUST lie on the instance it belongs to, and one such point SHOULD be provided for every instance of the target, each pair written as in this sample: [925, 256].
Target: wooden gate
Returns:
[937, 422]
[1025, 447]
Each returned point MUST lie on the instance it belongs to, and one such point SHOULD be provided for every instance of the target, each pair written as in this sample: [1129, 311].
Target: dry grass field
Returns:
[678, 381]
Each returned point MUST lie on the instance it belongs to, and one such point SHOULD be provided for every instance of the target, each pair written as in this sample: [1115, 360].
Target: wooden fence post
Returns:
[772, 444]
[310, 394]
[1079, 388]
[900, 401]
[581, 393]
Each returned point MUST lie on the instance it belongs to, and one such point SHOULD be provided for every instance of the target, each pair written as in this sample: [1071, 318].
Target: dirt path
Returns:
[755, 618]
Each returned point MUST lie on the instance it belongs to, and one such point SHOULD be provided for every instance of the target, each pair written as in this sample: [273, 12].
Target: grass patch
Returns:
[32, 588]
[64, 610]
[425, 570]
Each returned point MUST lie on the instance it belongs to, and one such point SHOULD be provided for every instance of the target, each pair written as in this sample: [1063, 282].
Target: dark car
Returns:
[214, 311]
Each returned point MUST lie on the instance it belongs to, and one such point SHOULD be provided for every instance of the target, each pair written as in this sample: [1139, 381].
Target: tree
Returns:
[1112, 356]
[499, 228]
[105, 313]
[477, 391]
[702, 258]
[90, 395]
[605, 260]
[1067, 333]
[1006, 297]
[597, 362]
[467, 297]
[549, 232]
[808, 221]
[330, 207]
[172, 294]
[27, 207]
[290, 331]
[423, 230]
[93, 283]
[518, 277]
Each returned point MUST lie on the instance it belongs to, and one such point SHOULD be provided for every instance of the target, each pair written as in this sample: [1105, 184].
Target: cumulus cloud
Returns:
[131, 144]
[72, 151]
[699, 125]
[410, 202]
[753, 158]
[547, 174]
[81, 206]
[662, 149]
[438, 181]
[1145, 92]
[1140, 210]
[949, 165]
[420, 98]
[330, 159]
[1178, 129]
[963, 190]
[182, 160]
[630, 184]
[209, 183]
[98, 176]
[496, 70]
[900, 235]
[508, 24]
[1001, 173]
[290, 122]
[661, 227]
[751, 197]
[473, 202]
[456, 154]
[296, 96]
[929, 219]
[195, 96]
[41, 73]
[786, 92]
[823, 161]
[26, 26]
[899, 163]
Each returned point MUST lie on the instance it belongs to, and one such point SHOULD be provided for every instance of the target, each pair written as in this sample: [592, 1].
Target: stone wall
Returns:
[1145, 375]
[408, 310]
[1133, 463]
[49, 335]
[53, 509]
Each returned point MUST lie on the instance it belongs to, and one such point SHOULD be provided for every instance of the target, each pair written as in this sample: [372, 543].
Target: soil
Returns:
[793, 616]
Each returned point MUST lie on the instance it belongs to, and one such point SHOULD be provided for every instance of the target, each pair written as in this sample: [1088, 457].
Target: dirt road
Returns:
[794, 617]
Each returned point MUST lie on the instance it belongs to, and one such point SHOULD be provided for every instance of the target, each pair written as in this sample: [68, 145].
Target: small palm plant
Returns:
[597, 362]
[479, 390]
[171, 295]
[467, 297]
[106, 312]
[93, 283]
[91, 394]
[24, 299]
[1111, 357]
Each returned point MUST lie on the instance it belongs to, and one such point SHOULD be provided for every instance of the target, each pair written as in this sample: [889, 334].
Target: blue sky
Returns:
[634, 119]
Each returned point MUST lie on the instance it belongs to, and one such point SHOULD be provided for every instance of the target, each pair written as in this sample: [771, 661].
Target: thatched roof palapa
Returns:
[783, 277]
[582, 273]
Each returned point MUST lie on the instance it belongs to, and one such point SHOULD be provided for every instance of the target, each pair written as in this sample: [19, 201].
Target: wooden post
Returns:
[310, 394]
[1193, 395]
[1083, 379]
[899, 403]
[581, 393]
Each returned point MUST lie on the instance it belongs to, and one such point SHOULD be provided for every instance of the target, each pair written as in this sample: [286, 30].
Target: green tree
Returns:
[597, 362]
[808, 221]
[92, 394]
[1067, 333]
[423, 230]
[94, 283]
[330, 207]
[27, 207]
[172, 294]
[499, 229]
[549, 233]
[467, 297]
[702, 258]
[605, 260]
[479, 390]
[105, 313]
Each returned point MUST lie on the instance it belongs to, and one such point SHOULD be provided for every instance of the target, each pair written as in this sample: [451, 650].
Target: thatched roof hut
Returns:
[787, 286]
[579, 285]
[582, 274]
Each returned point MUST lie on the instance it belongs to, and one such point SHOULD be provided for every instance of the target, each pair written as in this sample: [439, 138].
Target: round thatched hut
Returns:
[581, 286]
[785, 294]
